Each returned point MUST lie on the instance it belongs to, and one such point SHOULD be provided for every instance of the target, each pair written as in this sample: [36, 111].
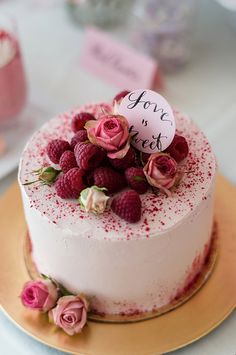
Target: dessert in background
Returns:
[2, 146]
[12, 78]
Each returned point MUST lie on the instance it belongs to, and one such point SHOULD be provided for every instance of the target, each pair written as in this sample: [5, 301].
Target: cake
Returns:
[123, 268]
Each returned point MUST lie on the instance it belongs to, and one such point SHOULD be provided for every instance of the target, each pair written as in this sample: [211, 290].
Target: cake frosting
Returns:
[123, 268]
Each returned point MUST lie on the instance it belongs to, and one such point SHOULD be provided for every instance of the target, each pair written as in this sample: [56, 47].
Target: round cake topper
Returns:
[151, 120]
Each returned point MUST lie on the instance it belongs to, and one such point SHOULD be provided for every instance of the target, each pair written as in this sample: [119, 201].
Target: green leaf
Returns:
[37, 171]
[138, 178]
[64, 291]
[141, 158]
[83, 195]
[30, 182]
[46, 175]
[99, 188]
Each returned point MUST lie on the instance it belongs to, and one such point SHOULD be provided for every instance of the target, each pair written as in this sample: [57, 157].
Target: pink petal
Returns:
[125, 136]
[69, 331]
[91, 135]
[74, 305]
[105, 143]
[155, 173]
[154, 183]
[79, 326]
[109, 132]
[68, 319]
[120, 153]
[91, 124]
[41, 295]
[116, 140]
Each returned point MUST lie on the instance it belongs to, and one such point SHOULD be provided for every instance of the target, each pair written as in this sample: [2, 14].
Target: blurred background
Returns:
[192, 44]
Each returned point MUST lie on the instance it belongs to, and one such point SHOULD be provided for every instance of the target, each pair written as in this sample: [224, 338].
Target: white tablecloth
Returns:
[205, 89]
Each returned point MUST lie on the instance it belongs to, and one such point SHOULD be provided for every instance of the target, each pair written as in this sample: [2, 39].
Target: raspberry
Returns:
[79, 120]
[88, 156]
[107, 177]
[80, 136]
[55, 148]
[136, 179]
[120, 96]
[71, 184]
[124, 163]
[61, 187]
[178, 148]
[127, 205]
[67, 161]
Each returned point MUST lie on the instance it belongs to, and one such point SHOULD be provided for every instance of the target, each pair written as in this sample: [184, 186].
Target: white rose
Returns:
[93, 199]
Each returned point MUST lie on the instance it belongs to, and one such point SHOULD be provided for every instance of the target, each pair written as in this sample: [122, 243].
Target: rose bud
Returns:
[70, 314]
[40, 295]
[161, 171]
[110, 132]
[93, 199]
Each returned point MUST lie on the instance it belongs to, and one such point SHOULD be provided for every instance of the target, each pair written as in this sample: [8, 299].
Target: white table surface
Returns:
[205, 89]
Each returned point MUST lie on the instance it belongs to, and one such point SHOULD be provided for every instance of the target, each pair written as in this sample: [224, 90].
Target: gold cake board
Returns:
[183, 325]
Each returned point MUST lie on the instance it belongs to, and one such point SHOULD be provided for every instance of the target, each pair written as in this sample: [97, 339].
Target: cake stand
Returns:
[177, 328]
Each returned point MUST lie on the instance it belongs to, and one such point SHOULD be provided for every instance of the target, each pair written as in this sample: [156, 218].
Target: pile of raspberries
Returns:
[84, 164]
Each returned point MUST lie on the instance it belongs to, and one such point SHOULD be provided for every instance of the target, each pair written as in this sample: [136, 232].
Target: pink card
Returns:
[116, 63]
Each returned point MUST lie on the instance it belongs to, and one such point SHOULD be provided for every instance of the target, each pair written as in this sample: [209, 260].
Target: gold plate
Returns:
[175, 329]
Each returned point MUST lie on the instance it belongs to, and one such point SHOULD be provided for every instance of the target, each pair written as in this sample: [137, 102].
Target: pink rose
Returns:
[110, 132]
[161, 171]
[70, 314]
[41, 295]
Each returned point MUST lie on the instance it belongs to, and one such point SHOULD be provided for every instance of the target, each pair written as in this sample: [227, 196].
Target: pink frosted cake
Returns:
[123, 268]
